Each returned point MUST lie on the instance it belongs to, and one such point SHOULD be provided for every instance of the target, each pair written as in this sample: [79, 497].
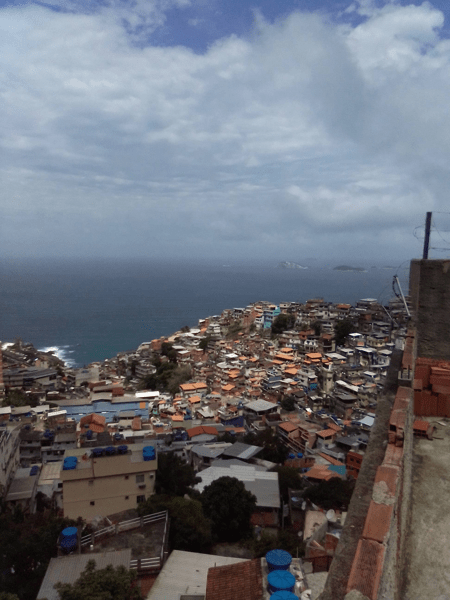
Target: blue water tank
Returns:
[299, 455]
[110, 450]
[283, 595]
[89, 434]
[278, 560]
[68, 539]
[149, 453]
[70, 462]
[118, 436]
[291, 455]
[122, 449]
[34, 470]
[280, 581]
[98, 452]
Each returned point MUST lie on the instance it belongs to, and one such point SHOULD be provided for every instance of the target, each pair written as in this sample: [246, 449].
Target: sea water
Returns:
[91, 309]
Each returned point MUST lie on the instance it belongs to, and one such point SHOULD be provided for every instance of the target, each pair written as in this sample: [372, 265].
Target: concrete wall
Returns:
[430, 295]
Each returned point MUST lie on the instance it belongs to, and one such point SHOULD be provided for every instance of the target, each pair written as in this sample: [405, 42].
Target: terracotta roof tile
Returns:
[389, 474]
[241, 581]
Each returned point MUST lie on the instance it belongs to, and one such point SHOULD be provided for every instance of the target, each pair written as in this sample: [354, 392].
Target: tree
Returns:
[334, 493]
[204, 342]
[230, 507]
[104, 584]
[341, 330]
[283, 322]
[189, 528]
[173, 476]
[288, 477]
[273, 448]
[317, 326]
[288, 403]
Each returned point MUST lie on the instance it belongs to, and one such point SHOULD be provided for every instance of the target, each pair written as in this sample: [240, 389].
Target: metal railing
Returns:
[126, 526]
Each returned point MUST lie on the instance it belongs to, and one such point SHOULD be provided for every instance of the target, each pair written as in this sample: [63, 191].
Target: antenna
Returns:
[396, 280]
[426, 241]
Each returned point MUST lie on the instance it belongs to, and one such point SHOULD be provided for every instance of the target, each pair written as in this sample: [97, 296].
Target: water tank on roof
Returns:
[149, 453]
[34, 470]
[98, 452]
[122, 449]
[299, 455]
[283, 595]
[291, 455]
[281, 581]
[278, 560]
[70, 463]
[110, 450]
[68, 539]
[89, 434]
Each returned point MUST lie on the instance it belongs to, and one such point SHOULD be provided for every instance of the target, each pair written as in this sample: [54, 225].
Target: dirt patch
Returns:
[234, 550]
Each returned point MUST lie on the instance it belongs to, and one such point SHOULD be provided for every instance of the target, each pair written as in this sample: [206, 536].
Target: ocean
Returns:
[90, 309]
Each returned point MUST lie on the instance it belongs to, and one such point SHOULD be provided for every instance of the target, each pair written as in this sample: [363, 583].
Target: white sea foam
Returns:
[62, 353]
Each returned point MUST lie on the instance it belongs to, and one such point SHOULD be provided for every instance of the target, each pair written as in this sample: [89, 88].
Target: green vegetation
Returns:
[282, 323]
[284, 540]
[288, 403]
[288, 477]
[168, 377]
[334, 493]
[204, 342]
[16, 398]
[230, 507]
[189, 528]
[233, 330]
[341, 330]
[104, 584]
[174, 477]
[28, 544]
[273, 448]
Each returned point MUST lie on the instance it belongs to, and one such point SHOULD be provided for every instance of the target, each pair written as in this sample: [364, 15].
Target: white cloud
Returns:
[303, 126]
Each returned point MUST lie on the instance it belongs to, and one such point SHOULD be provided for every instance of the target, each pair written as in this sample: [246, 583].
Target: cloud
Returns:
[304, 126]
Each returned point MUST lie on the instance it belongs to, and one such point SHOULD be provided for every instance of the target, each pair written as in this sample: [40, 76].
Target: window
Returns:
[140, 478]
[140, 499]
[127, 497]
[92, 502]
[151, 475]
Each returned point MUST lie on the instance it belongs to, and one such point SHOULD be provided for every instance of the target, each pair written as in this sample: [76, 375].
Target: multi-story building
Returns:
[9, 458]
[105, 481]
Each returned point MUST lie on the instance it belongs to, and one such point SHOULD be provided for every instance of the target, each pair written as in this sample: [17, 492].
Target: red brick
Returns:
[331, 542]
[391, 437]
[418, 384]
[367, 568]
[423, 372]
[441, 405]
[441, 389]
[378, 522]
[390, 475]
[393, 456]
[418, 404]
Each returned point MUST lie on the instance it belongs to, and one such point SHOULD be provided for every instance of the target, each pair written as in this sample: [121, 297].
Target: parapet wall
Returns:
[369, 557]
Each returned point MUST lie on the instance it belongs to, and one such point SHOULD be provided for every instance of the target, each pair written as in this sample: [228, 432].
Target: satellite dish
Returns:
[331, 515]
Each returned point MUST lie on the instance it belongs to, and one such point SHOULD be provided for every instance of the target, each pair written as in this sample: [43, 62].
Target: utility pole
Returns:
[426, 241]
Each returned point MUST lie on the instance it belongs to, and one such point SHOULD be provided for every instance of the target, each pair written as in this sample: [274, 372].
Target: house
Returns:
[9, 458]
[104, 481]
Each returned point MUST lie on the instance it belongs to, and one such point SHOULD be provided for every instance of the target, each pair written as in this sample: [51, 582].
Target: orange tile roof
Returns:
[326, 433]
[187, 387]
[314, 355]
[287, 427]
[228, 387]
[177, 418]
[195, 399]
[240, 581]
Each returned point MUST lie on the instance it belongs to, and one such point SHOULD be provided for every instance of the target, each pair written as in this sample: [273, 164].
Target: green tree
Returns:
[167, 350]
[341, 330]
[283, 322]
[16, 398]
[288, 477]
[104, 584]
[317, 326]
[230, 507]
[273, 448]
[284, 540]
[173, 476]
[189, 528]
[288, 403]
[334, 493]
[204, 342]
[8, 596]
[28, 543]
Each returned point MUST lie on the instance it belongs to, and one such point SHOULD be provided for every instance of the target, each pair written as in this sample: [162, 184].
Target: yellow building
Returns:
[102, 482]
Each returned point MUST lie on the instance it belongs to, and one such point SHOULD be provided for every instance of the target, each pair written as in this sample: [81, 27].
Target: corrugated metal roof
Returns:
[186, 573]
[67, 569]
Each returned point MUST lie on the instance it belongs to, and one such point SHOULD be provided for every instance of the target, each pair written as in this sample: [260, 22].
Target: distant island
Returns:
[347, 268]
[290, 265]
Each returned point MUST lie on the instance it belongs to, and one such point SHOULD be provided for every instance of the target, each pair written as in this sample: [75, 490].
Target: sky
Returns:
[224, 128]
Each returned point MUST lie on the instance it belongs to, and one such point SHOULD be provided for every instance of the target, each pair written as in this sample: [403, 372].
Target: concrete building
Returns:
[9, 458]
[101, 485]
